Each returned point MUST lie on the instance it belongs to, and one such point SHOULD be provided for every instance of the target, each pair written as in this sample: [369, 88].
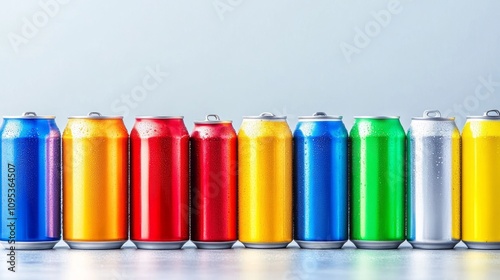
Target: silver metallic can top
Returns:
[433, 115]
[96, 116]
[377, 117]
[212, 119]
[266, 116]
[30, 115]
[493, 115]
[159, 117]
[320, 116]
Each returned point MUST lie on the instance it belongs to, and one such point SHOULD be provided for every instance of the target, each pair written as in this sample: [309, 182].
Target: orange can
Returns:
[95, 180]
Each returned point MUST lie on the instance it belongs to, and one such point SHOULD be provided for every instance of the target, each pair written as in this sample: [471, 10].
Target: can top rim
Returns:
[320, 116]
[377, 117]
[491, 118]
[487, 115]
[97, 116]
[434, 119]
[213, 119]
[266, 116]
[160, 117]
[30, 115]
[213, 122]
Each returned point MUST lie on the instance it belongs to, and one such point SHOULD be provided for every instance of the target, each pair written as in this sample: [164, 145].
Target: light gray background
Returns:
[280, 56]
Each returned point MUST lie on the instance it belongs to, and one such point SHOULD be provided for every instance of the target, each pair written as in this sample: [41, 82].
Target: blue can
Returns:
[320, 182]
[31, 182]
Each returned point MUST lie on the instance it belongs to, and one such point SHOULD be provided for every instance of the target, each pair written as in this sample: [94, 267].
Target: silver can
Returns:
[433, 196]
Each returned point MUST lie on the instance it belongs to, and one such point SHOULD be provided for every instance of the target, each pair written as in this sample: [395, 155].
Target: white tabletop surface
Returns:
[240, 263]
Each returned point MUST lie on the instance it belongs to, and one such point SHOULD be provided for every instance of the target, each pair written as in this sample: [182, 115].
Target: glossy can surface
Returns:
[480, 181]
[433, 196]
[214, 156]
[30, 191]
[159, 155]
[320, 182]
[377, 182]
[95, 181]
[265, 182]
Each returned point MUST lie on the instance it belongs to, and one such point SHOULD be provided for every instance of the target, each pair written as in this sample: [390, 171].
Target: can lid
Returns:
[488, 115]
[377, 117]
[433, 115]
[159, 117]
[320, 116]
[266, 116]
[30, 115]
[212, 119]
[97, 116]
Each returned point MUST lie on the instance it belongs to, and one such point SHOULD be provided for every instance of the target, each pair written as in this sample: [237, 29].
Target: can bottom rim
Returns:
[95, 245]
[159, 245]
[483, 245]
[377, 245]
[265, 245]
[31, 245]
[434, 245]
[320, 244]
[217, 245]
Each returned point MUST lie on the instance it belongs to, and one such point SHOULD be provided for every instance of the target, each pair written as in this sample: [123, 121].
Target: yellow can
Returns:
[265, 182]
[481, 181]
[95, 182]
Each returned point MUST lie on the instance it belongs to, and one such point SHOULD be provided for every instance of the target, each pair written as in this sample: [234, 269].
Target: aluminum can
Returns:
[320, 182]
[433, 196]
[214, 179]
[377, 182]
[159, 157]
[31, 182]
[480, 181]
[95, 182]
[265, 182]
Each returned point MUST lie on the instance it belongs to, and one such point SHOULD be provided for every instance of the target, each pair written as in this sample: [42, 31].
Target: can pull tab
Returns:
[432, 114]
[30, 114]
[215, 116]
[94, 114]
[319, 114]
[267, 114]
[492, 113]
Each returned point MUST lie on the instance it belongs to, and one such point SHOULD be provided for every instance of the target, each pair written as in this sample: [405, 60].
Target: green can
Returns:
[377, 182]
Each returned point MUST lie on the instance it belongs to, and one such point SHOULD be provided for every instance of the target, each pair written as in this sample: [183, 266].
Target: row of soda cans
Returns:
[376, 186]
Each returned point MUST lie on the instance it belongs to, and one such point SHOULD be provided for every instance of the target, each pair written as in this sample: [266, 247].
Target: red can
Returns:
[159, 191]
[214, 157]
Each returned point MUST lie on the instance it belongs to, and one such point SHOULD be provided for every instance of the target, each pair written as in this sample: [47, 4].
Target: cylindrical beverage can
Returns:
[377, 182]
[95, 182]
[159, 195]
[320, 182]
[433, 194]
[265, 182]
[31, 182]
[214, 156]
[481, 181]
